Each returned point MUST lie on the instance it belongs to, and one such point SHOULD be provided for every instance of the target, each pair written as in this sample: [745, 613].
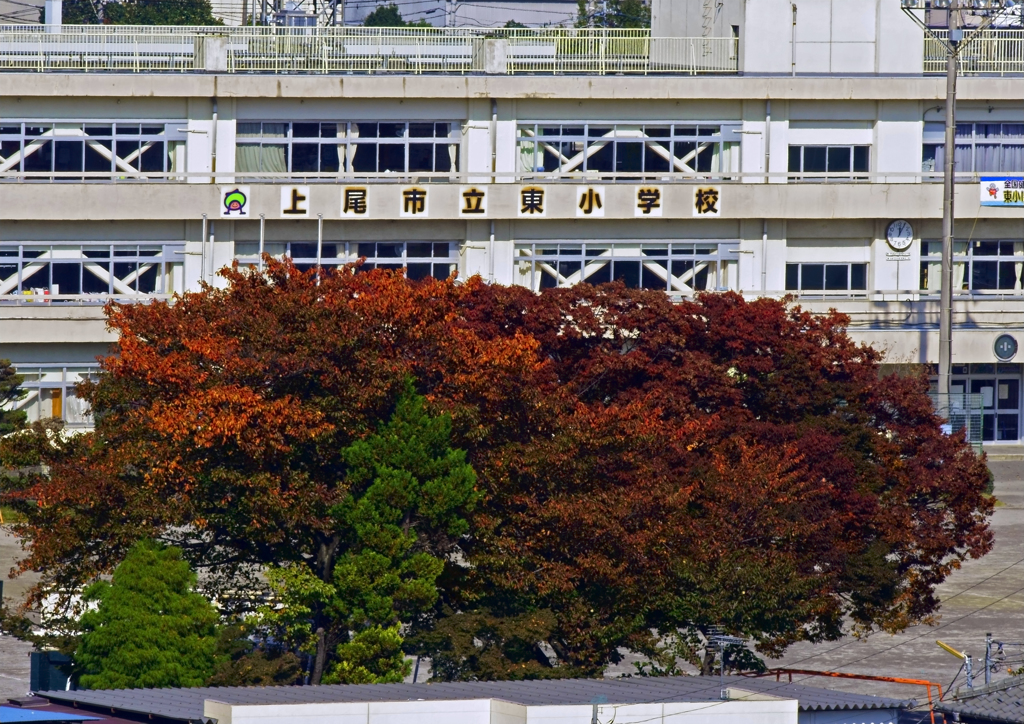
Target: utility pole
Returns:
[948, 189]
[954, 43]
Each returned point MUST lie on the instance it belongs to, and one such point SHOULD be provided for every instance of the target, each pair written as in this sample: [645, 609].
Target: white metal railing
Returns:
[993, 51]
[356, 49]
[856, 178]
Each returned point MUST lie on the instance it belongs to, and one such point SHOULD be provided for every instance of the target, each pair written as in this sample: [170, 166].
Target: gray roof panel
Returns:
[187, 704]
[1003, 702]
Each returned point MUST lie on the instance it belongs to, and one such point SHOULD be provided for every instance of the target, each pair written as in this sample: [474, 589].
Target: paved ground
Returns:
[13, 653]
[984, 596]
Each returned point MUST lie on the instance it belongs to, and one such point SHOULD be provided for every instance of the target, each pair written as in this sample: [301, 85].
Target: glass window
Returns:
[99, 150]
[39, 272]
[978, 266]
[419, 259]
[980, 148]
[51, 393]
[809, 277]
[626, 148]
[840, 160]
[336, 147]
[682, 267]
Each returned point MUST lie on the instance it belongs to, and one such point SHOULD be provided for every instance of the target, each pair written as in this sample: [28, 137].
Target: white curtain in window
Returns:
[1018, 267]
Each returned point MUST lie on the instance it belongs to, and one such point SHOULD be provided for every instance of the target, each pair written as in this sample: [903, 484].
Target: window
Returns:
[370, 147]
[100, 268]
[51, 393]
[843, 160]
[420, 259]
[980, 147]
[977, 266]
[97, 147]
[672, 267]
[997, 387]
[643, 149]
[826, 277]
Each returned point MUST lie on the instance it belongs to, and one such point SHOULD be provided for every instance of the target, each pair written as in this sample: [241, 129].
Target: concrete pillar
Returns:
[53, 13]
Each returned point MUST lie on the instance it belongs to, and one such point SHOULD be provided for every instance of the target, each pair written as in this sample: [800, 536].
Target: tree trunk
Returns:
[325, 571]
[321, 657]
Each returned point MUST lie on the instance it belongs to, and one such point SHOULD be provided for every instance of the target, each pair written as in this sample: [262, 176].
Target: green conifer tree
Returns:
[11, 392]
[150, 628]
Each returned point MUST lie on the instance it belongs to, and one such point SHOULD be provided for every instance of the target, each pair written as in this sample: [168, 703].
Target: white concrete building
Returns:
[767, 151]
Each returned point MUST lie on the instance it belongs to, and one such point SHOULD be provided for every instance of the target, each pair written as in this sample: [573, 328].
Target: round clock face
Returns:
[900, 235]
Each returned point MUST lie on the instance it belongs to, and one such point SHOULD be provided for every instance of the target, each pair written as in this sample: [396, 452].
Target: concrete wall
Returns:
[802, 36]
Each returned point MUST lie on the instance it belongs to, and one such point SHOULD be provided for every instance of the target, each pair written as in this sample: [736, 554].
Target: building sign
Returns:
[355, 201]
[1002, 191]
[532, 202]
[414, 202]
[590, 201]
[234, 202]
[707, 201]
[472, 201]
[648, 201]
[294, 202]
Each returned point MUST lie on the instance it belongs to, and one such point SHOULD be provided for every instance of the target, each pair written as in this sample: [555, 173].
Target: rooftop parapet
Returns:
[332, 50]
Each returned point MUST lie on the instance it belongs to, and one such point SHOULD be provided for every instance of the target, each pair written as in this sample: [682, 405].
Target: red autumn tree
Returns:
[648, 470]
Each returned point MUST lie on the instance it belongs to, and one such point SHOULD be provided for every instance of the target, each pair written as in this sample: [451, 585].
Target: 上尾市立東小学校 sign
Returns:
[1002, 191]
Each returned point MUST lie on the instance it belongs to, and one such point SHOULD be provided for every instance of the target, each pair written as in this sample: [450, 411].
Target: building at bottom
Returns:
[670, 700]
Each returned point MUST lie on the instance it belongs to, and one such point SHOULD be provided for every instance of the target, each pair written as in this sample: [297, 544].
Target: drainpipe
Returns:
[494, 139]
[213, 142]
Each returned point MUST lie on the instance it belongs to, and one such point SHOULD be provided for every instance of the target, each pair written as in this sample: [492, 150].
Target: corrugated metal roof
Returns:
[1003, 702]
[187, 704]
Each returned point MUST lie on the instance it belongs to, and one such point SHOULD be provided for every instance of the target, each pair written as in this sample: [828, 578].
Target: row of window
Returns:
[986, 265]
[101, 148]
[99, 268]
[157, 267]
[346, 147]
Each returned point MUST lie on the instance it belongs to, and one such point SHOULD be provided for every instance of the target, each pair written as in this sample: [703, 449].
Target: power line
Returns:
[855, 661]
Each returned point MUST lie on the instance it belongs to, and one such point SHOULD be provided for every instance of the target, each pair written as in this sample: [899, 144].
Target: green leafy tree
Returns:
[389, 16]
[159, 12]
[240, 662]
[11, 392]
[622, 14]
[150, 628]
[77, 12]
[409, 495]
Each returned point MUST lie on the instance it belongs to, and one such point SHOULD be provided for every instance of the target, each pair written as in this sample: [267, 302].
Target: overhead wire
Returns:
[855, 661]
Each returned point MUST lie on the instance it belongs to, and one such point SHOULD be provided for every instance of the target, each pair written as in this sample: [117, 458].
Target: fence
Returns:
[322, 50]
[962, 411]
[999, 52]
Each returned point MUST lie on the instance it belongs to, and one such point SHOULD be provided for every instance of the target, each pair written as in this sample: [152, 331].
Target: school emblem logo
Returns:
[235, 202]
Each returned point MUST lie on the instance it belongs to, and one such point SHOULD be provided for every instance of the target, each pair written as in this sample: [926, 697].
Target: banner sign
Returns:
[1002, 191]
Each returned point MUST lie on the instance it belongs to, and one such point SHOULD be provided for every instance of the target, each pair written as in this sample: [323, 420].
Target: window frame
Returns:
[349, 252]
[349, 145]
[849, 290]
[966, 260]
[829, 175]
[723, 134]
[167, 256]
[536, 263]
[933, 145]
[39, 378]
[173, 138]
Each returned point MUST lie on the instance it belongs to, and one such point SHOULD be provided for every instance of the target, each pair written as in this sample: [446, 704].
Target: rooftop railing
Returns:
[992, 52]
[324, 50]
